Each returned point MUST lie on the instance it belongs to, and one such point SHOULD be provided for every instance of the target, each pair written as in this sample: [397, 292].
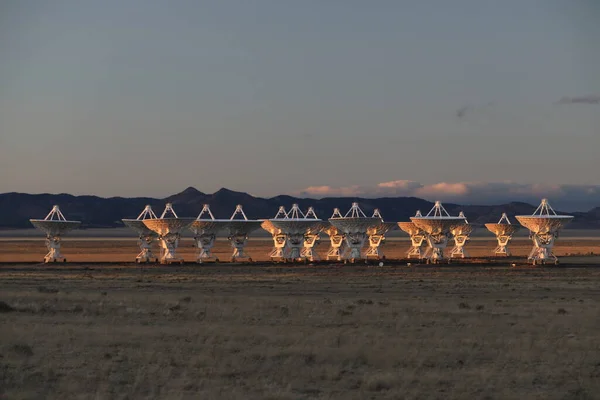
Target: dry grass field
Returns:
[125, 249]
[121, 331]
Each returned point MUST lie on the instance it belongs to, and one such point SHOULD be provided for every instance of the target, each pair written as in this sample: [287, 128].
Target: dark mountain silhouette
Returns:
[96, 212]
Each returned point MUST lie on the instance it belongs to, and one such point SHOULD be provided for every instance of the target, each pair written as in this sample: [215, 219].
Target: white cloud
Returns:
[328, 191]
[562, 196]
[444, 189]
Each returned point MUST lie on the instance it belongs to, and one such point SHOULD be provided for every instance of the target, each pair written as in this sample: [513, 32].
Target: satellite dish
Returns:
[145, 234]
[205, 229]
[437, 225]
[461, 232]
[239, 228]
[410, 228]
[417, 238]
[54, 226]
[376, 236]
[291, 230]
[168, 228]
[279, 238]
[354, 225]
[544, 225]
[504, 232]
[336, 239]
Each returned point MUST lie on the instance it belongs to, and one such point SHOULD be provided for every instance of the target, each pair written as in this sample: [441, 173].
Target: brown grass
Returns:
[256, 332]
[125, 250]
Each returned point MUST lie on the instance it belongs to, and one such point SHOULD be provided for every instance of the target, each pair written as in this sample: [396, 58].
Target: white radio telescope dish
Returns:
[437, 225]
[168, 228]
[145, 235]
[354, 225]
[336, 238]
[297, 233]
[417, 238]
[504, 231]
[279, 238]
[54, 226]
[376, 236]
[239, 228]
[461, 233]
[544, 225]
[205, 229]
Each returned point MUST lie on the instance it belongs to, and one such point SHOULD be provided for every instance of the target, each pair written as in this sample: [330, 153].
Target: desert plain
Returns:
[102, 327]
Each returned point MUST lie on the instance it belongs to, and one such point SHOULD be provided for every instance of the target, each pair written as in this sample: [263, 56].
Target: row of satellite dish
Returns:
[295, 233]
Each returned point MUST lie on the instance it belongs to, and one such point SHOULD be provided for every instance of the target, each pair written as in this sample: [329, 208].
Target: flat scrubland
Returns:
[121, 331]
[126, 249]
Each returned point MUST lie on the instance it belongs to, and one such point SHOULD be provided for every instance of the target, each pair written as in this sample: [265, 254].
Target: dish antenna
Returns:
[54, 226]
[279, 238]
[504, 232]
[544, 225]
[293, 227]
[376, 236]
[354, 226]
[168, 228]
[417, 238]
[436, 225]
[145, 235]
[239, 227]
[205, 229]
[336, 238]
[312, 237]
[461, 233]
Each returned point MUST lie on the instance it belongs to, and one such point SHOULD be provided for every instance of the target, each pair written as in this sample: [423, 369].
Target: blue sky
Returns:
[142, 97]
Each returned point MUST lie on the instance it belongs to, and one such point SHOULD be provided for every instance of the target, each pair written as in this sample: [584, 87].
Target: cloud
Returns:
[589, 99]
[565, 197]
[399, 185]
[328, 191]
[444, 189]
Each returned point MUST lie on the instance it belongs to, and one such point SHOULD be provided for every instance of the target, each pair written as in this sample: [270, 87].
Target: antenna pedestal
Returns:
[417, 242]
[542, 248]
[373, 251]
[238, 242]
[459, 246]
[437, 244]
[145, 243]
[502, 249]
[204, 245]
[53, 245]
[308, 251]
[354, 242]
[279, 247]
[295, 243]
[335, 251]
[169, 244]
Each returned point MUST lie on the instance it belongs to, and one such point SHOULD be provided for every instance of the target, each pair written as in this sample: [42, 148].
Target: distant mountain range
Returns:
[96, 212]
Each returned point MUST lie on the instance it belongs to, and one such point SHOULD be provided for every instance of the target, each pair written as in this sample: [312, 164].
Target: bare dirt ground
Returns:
[121, 331]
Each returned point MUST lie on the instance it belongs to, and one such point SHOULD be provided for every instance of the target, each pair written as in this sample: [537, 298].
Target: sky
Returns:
[463, 100]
